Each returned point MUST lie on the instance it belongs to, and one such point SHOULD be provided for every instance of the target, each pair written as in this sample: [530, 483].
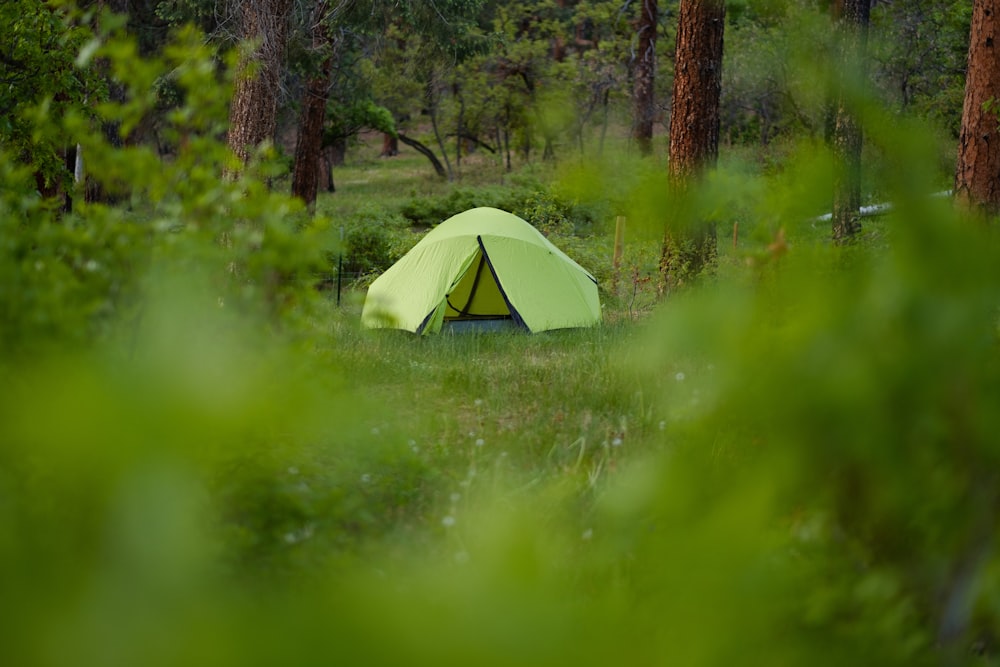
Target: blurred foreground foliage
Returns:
[199, 465]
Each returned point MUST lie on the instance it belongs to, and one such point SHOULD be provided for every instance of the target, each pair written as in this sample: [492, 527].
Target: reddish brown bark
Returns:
[694, 117]
[309, 143]
[977, 173]
[689, 247]
[390, 145]
[253, 111]
[645, 74]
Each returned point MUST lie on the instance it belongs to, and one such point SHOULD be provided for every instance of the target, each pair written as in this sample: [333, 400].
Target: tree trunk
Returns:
[506, 145]
[326, 169]
[337, 147]
[390, 145]
[977, 173]
[432, 110]
[852, 26]
[460, 121]
[308, 146]
[426, 152]
[689, 249]
[645, 72]
[253, 112]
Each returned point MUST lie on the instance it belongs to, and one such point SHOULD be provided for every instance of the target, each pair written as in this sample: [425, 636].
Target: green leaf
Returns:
[87, 52]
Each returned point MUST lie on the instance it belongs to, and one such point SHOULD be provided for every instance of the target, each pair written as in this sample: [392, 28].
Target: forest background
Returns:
[789, 457]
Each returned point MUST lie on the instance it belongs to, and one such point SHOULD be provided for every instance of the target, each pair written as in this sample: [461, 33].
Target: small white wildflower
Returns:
[222, 302]
[480, 442]
[617, 442]
[503, 455]
[679, 377]
[91, 265]
[478, 402]
[455, 497]
[290, 538]
[662, 425]
[587, 534]
[472, 434]
[39, 266]
[366, 478]
[448, 521]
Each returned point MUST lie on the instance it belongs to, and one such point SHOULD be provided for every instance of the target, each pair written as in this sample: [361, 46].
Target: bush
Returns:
[544, 209]
[430, 211]
[374, 239]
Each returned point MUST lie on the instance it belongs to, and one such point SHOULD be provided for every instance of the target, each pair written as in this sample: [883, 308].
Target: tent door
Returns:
[476, 295]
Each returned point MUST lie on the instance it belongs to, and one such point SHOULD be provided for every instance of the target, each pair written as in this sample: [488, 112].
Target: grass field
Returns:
[790, 463]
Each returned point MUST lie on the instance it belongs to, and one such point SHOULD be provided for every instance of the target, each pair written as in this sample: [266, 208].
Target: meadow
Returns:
[793, 461]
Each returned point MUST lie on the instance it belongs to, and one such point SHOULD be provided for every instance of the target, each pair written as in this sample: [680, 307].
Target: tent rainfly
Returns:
[483, 265]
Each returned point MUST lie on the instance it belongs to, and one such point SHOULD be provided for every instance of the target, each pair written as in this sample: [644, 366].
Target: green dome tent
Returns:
[483, 265]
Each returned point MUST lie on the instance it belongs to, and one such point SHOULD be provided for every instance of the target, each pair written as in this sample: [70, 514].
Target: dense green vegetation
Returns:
[204, 460]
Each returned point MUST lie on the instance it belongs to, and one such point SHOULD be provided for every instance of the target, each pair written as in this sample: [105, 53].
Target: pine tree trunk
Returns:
[390, 145]
[309, 143]
[338, 150]
[326, 170]
[645, 72]
[977, 173]
[690, 249]
[852, 26]
[253, 111]
[694, 118]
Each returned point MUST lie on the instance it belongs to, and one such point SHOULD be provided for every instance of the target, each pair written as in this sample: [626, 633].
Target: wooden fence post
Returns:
[616, 258]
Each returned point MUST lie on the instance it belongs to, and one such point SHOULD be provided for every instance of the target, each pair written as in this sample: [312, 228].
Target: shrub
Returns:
[374, 238]
[547, 210]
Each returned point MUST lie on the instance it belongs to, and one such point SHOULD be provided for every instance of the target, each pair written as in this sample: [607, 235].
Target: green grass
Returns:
[785, 465]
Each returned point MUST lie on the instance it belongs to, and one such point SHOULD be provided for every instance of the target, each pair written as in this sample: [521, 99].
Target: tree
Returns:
[645, 73]
[305, 173]
[254, 108]
[38, 78]
[341, 33]
[851, 17]
[977, 174]
[916, 74]
[688, 249]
